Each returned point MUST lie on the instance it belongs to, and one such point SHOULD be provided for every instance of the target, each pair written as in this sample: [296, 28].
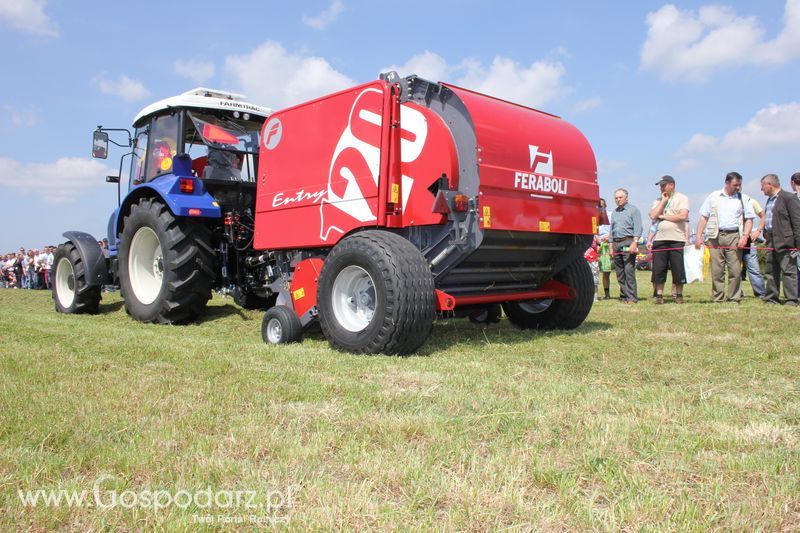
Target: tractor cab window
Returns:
[163, 145]
[222, 148]
[138, 159]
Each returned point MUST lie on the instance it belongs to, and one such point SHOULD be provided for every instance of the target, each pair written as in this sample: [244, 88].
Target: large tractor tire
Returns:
[165, 265]
[557, 314]
[71, 293]
[376, 295]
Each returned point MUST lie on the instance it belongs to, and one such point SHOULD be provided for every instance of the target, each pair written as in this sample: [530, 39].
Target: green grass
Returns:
[647, 417]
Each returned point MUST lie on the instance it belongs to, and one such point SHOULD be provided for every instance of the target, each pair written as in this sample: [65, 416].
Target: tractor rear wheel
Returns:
[557, 314]
[71, 293]
[376, 295]
[165, 265]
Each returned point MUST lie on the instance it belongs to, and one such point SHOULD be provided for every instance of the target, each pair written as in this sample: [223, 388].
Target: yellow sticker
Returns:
[544, 225]
[395, 193]
[166, 163]
[594, 224]
[215, 204]
[487, 216]
[299, 293]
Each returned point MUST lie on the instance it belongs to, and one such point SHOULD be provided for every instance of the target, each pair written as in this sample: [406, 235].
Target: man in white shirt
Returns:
[725, 223]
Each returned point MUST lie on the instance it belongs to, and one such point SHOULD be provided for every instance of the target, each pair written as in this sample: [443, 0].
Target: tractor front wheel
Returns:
[165, 265]
[71, 293]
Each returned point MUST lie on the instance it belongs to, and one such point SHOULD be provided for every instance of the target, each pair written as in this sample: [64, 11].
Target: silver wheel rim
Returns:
[535, 307]
[146, 265]
[65, 283]
[274, 331]
[353, 298]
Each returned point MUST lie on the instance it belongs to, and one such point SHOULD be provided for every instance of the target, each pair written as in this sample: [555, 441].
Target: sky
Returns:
[690, 89]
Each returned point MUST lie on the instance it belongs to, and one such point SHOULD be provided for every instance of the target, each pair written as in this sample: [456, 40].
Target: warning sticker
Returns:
[544, 225]
[299, 293]
[487, 216]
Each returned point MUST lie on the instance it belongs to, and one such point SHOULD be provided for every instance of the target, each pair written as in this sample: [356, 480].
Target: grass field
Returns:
[654, 417]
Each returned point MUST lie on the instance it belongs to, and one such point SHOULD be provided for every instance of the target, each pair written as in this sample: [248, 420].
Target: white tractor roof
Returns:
[207, 99]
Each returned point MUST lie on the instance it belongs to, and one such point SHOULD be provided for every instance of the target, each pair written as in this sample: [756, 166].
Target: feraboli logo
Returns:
[540, 179]
[541, 162]
[273, 132]
[355, 163]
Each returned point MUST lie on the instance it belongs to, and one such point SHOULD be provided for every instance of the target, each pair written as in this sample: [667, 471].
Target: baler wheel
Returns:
[557, 314]
[165, 265]
[71, 293]
[376, 295]
[281, 326]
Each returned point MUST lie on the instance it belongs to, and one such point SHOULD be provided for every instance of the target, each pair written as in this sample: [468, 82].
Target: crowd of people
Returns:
[732, 225]
[27, 270]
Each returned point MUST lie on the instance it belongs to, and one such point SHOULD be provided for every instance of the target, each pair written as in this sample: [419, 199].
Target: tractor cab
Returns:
[218, 130]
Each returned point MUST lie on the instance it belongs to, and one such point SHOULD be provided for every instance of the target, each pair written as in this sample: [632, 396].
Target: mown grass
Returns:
[647, 417]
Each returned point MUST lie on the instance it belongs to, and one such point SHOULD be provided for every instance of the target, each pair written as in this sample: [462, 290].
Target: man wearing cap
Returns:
[670, 214]
[726, 221]
[626, 228]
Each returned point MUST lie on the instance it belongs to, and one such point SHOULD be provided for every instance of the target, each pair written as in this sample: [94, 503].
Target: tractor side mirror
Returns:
[100, 144]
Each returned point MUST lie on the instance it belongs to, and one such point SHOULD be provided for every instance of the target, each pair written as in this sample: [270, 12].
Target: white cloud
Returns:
[698, 144]
[124, 87]
[533, 85]
[274, 77]
[426, 65]
[22, 117]
[195, 69]
[55, 183]
[28, 16]
[582, 106]
[325, 17]
[683, 45]
[772, 128]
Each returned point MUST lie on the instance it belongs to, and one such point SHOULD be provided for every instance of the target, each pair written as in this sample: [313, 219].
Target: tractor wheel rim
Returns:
[535, 307]
[65, 283]
[146, 265]
[274, 331]
[353, 298]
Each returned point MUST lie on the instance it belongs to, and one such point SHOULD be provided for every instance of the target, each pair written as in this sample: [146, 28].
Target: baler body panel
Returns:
[537, 172]
[318, 178]
[347, 161]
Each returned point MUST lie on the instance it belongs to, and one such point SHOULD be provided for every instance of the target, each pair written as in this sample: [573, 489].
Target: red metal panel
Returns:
[304, 284]
[427, 152]
[319, 168]
[537, 172]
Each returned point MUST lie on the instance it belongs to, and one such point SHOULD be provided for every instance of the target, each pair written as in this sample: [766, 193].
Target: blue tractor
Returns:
[185, 225]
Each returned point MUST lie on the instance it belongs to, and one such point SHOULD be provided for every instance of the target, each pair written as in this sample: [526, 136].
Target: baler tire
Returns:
[186, 265]
[281, 326]
[68, 269]
[560, 314]
[402, 295]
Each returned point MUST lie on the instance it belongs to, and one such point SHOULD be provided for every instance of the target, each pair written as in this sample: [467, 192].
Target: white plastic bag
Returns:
[693, 263]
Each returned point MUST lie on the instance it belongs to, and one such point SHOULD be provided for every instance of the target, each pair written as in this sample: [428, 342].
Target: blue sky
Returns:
[691, 89]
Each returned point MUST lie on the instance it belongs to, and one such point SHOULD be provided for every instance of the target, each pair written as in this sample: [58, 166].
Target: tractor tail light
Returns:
[194, 212]
[187, 185]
